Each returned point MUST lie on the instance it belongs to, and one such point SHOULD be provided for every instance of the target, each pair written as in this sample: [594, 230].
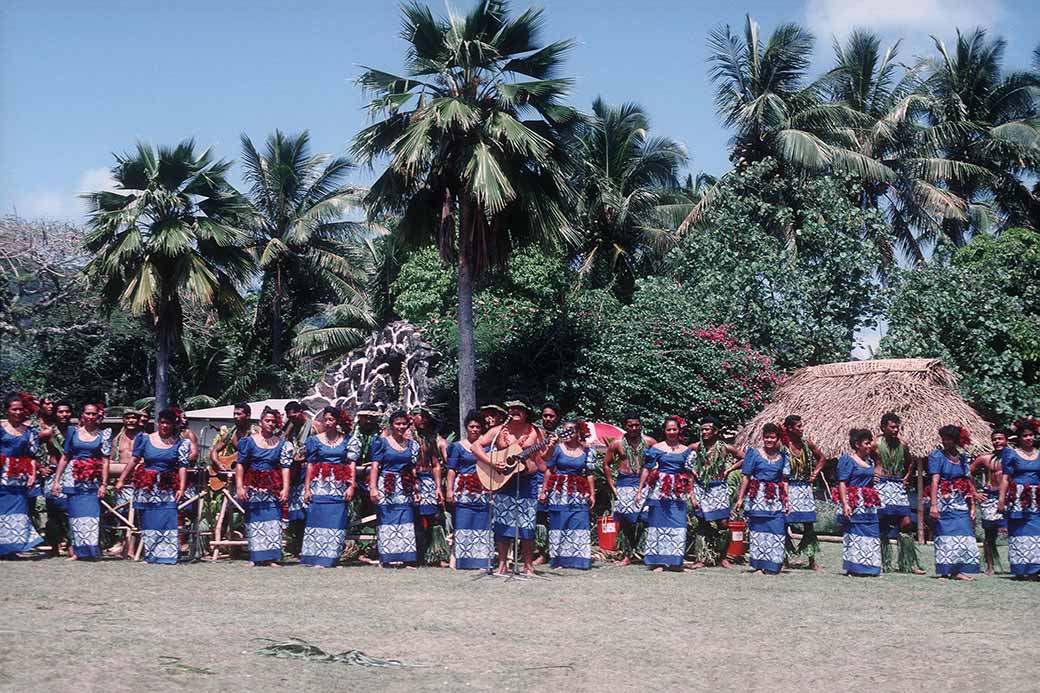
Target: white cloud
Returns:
[63, 205]
[96, 179]
[828, 18]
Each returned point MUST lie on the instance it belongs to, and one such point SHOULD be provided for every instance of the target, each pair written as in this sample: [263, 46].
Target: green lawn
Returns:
[122, 626]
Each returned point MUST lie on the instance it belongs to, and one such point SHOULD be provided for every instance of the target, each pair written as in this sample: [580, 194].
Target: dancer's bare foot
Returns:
[540, 560]
[659, 569]
[816, 568]
[989, 572]
[724, 563]
[963, 578]
[758, 572]
[623, 562]
[73, 557]
[917, 571]
[444, 564]
[697, 566]
[529, 572]
[274, 565]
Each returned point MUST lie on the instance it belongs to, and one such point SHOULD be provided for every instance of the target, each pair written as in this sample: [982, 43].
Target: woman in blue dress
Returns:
[953, 507]
[392, 489]
[668, 481]
[764, 483]
[160, 472]
[88, 451]
[262, 473]
[1019, 501]
[569, 490]
[18, 447]
[473, 543]
[329, 484]
[859, 503]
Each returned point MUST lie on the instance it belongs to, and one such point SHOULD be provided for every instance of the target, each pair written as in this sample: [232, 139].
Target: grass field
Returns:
[130, 626]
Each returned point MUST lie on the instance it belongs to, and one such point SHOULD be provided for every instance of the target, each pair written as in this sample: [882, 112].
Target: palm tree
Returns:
[894, 103]
[626, 176]
[169, 234]
[299, 231]
[762, 92]
[471, 132]
[985, 118]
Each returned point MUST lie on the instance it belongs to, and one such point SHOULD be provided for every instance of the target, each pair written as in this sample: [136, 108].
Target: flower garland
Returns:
[771, 490]
[29, 403]
[87, 471]
[332, 472]
[390, 483]
[965, 438]
[855, 494]
[149, 478]
[16, 466]
[1026, 494]
[269, 480]
[962, 486]
[468, 483]
[671, 486]
[572, 484]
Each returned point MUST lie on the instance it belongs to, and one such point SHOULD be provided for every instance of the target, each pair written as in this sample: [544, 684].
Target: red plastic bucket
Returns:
[607, 533]
[737, 538]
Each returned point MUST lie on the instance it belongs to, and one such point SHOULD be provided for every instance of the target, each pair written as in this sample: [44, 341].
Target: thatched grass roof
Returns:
[835, 397]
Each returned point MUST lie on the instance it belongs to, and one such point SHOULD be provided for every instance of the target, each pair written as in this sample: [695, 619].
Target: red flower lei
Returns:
[867, 494]
[331, 472]
[961, 486]
[672, 486]
[570, 483]
[148, 478]
[16, 466]
[771, 490]
[269, 480]
[1027, 494]
[468, 483]
[390, 483]
[87, 471]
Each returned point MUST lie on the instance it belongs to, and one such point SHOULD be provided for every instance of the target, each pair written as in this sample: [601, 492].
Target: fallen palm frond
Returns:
[302, 650]
[835, 397]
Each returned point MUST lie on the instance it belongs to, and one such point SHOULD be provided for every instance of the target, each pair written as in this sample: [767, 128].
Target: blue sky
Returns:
[82, 79]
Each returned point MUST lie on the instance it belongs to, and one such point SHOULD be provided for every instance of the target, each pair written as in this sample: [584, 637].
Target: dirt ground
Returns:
[129, 626]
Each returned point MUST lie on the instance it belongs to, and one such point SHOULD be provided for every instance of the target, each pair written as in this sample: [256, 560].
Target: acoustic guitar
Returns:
[514, 458]
[225, 463]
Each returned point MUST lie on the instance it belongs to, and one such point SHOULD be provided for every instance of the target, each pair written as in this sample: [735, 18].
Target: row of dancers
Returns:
[307, 472]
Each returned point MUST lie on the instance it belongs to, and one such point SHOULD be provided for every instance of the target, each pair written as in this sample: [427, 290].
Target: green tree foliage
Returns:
[472, 132]
[658, 357]
[980, 314]
[784, 264]
[306, 249]
[170, 234]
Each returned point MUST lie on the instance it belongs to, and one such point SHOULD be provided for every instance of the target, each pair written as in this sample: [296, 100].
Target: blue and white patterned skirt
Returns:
[395, 536]
[16, 530]
[1024, 543]
[84, 520]
[713, 498]
[955, 547]
[157, 513]
[515, 508]
[861, 545]
[326, 532]
[625, 508]
[766, 536]
[570, 539]
[263, 526]
[472, 539]
[894, 499]
[988, 510]
[427, 494]
[665, 533]
[803, 504]
[296, 510]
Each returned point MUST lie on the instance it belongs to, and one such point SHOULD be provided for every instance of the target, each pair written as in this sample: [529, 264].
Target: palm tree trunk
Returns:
[163, 344]
[276, 319]
[467, 351]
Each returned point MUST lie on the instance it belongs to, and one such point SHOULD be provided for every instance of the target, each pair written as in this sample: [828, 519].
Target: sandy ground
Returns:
[120, 626]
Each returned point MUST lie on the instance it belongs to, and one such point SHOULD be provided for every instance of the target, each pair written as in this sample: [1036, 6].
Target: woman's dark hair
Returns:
[674, 419]
[858, 435]
[398, 414]
[167, 415]
[471, 416]
[950, 431]
[293, 406]
[712, 421]
[890, 416]
[11, 398]
[554, 406]
[62, 403]
[1027, 425]
[791, 420]
[771, 429]
[83, 407]
[331, 410]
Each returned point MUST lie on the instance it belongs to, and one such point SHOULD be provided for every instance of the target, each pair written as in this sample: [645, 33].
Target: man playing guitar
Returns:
[516, 503]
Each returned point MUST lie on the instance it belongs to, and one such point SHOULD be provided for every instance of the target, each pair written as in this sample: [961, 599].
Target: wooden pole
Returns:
[920, 503]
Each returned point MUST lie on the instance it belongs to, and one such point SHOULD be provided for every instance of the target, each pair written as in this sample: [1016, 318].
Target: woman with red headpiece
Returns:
[329, 481]
[953, 506]
[18, 446]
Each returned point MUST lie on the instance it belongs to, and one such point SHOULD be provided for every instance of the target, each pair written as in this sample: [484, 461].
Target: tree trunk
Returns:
[467, 351]
[276, 319]
[163, 343]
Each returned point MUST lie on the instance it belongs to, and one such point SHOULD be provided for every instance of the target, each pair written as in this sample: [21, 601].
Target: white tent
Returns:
[206, 423]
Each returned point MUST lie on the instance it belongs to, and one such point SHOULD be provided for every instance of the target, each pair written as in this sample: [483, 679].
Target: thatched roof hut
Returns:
[835, 397]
